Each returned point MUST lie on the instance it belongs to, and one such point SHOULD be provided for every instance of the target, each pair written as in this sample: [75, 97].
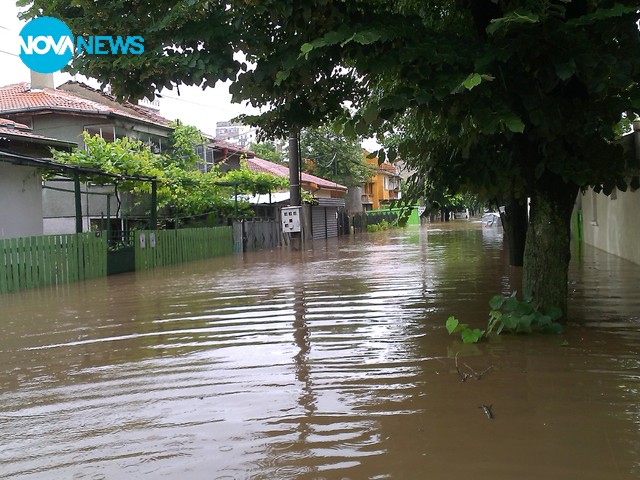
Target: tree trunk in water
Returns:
[547, 250]
[515, 223]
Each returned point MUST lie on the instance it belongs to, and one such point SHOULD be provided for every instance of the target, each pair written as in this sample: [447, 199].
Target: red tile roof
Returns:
[18, 98]
[221, 144]
[264, 166]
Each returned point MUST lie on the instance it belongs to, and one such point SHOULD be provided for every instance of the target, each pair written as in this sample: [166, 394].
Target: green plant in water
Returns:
[511, 315]
[376, 227]
[468, 334]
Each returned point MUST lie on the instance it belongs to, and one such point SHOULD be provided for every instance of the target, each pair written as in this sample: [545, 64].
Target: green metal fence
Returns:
[391, 215]
[165, 247]
[50, 260]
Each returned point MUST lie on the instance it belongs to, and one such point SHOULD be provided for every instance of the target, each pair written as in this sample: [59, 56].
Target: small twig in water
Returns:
[463, 376]
[474, 374]
[478, 375]
[487, 410]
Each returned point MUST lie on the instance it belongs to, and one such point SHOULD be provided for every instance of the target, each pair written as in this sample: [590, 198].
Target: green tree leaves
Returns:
[181, 186]
[267, 151]
[334, 156]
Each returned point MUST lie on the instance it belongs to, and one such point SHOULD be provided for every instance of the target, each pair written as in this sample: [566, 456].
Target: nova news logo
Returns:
[47, 45]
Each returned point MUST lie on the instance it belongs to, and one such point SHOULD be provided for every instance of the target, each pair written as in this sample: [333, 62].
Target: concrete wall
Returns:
[353, 200]
[612, 223]
[20, 201]
[70, 127]
[59, 208]
[63, 225]
[62, 127]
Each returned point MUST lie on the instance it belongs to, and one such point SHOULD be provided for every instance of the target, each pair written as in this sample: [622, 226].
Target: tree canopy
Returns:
[267, 151]
[527, 89]
[333, 156]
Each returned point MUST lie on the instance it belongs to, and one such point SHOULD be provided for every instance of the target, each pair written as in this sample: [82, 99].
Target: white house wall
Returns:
[63, 225]
[612, 223]
[20, 201]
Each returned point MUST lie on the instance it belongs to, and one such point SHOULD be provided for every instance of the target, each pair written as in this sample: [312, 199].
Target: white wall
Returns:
[612, 223]
[20, 201]
[63, 225]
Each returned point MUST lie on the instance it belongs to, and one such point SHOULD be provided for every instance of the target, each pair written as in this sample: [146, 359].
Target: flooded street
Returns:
[332, 363]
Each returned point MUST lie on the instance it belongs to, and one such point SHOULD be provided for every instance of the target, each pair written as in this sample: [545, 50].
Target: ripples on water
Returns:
[330, 363]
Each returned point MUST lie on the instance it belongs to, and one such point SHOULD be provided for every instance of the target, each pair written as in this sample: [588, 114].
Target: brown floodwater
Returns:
[332, 363]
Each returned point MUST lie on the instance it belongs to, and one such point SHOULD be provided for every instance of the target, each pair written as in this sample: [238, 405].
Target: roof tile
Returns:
[19, 98]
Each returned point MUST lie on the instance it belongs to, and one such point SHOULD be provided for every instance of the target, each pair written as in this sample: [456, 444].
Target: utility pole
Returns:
[295, 197]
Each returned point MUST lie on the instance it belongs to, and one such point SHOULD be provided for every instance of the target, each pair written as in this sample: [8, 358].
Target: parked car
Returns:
[461, 214]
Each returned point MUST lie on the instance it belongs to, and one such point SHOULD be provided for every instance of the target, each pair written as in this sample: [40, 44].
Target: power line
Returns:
[9, 53]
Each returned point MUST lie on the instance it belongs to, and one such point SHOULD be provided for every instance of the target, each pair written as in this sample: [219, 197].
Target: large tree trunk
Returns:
[515, 222]
[547, 251]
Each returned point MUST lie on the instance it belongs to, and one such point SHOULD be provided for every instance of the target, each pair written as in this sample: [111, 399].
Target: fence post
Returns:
[78, 201]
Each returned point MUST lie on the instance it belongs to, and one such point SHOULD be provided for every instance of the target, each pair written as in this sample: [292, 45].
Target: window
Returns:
[106, 131]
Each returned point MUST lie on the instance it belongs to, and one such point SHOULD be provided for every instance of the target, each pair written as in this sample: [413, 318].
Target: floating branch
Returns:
[472, 373]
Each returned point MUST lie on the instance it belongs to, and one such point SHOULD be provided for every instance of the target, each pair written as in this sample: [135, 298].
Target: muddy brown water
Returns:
[332, 363]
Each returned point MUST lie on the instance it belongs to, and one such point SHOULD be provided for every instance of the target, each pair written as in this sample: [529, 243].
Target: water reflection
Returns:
[328, 363]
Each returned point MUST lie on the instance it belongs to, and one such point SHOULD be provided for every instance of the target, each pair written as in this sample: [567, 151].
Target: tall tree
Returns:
[543, 82]
[267, 151]
[334, 157]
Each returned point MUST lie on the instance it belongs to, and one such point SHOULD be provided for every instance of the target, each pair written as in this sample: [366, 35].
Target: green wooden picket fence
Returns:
[165, 247]
[56, 259]
[51, 260]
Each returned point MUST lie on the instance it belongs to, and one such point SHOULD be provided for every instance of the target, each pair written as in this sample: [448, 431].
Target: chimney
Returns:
[40, 81]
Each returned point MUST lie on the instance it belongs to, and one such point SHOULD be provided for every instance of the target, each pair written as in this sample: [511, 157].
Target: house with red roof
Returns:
[326, 213]
[318, 187]
[63, 114]
[72, 108]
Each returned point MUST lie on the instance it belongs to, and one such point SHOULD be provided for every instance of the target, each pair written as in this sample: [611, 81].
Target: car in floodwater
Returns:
[491, 219]
[458, 214]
